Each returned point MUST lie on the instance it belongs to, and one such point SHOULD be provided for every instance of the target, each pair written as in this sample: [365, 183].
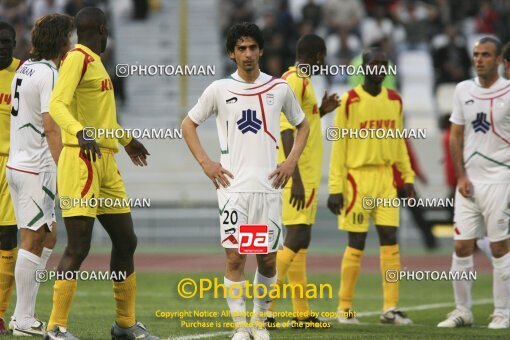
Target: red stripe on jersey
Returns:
[27, 172]
[354, 192]
[88, 59]
[310, 199]
[264, 119]
[256, 87]
[258, 93]
[493, 127]
[305, 84]
[90, 175]
[393, 95]
[352, 96]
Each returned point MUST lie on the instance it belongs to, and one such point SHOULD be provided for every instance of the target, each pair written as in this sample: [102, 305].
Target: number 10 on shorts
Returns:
[253, 239]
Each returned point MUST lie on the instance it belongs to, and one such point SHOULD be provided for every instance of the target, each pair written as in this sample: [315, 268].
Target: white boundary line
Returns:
[371, 313]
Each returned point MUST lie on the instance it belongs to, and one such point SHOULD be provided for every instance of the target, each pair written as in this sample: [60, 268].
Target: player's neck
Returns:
[248, 76]
[5, 64]
[487, 82]
[372, 89]
[94, 45]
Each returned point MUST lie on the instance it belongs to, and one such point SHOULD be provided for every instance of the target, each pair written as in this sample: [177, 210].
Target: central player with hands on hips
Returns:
[248, 180]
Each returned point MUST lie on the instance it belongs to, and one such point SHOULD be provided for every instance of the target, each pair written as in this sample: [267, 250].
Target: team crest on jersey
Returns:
[270, 99]
[480, 124]
[249, 122]
[271, 236]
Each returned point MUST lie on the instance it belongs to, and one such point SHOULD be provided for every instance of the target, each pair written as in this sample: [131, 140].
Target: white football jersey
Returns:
[485, 114]
[31, 90]
[248, 122]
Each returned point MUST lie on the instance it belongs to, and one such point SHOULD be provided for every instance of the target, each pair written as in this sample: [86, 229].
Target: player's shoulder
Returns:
[465, 85]
[393, 95]
[78, 54]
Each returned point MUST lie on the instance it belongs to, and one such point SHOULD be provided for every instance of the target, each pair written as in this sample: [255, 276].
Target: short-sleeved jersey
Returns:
[310, 161]
[248, 123]
[31, 88]
[83, 97]
[6, 76]
[485, 114]
[360, 110]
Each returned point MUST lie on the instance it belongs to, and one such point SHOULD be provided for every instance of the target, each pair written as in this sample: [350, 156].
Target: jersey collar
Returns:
[13, 66]
[88, 50]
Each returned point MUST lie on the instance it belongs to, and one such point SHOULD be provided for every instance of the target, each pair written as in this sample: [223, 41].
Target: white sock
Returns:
[485, 246]
[236, 300]
[462, 288]
[501, 283]
[45, 256]
[261, 305]
[26, 288]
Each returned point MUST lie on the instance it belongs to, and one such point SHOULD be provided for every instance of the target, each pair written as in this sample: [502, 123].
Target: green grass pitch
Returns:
[93, 309]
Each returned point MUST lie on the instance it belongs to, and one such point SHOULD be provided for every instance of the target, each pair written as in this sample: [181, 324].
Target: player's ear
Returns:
[261, 53]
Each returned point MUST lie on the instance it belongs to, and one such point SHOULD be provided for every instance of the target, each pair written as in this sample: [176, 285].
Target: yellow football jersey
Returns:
[360, 110]
[6, 76]
[83, 97]
[310, 162]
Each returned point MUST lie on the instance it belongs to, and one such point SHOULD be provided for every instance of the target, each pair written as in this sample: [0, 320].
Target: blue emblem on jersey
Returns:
[480, 124]
[249, 122]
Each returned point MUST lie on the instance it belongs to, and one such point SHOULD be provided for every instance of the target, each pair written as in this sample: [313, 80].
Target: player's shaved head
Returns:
[88, 20]
[372, 53]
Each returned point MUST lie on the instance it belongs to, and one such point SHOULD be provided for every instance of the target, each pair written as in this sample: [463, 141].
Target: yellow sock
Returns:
[7, 264]
[349, 272]
[125, 296]
[284, 259]
[63, 294]
[297, 276]
[390, 261]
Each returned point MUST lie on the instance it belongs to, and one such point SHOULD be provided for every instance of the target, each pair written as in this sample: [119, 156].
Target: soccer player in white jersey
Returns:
[248, 180]
[480, 149]
[31, 168]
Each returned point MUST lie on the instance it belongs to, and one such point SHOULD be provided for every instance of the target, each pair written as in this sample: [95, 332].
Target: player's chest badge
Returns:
[270, 99]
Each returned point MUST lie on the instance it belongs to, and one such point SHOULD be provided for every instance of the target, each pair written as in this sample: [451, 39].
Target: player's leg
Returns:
[469, 225]
[235, 282]
[8, 243]
[79, 235]
[117, 222]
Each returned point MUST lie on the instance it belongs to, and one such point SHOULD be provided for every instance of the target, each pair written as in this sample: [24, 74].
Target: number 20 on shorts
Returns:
[253, 239]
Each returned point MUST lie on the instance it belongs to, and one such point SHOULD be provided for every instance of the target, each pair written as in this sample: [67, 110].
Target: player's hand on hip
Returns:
[297, 194]
[465, 187]
[137, 152]
[409, 190]
[217, 174]
[88, 146]
[329, 103]
[282, 173]
[335, 203]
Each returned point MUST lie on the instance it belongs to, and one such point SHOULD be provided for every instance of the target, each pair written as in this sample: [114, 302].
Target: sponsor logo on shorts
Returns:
[254, 239]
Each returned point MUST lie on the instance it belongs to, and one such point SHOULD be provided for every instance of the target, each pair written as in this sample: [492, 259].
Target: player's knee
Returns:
[78, 253]
[357, 240]
[463, 249]
[51, 240]
[235, 262]
[128, 246]
[267, 264]
[388, 238]
[298, 239]
[8, 237]
[499, 249]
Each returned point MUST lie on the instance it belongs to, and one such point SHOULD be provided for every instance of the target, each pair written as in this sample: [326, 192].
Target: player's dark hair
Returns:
[88, 21]
[245, 29]
[49, 35]
[308, 46]
[368, 53]
[6, 26]
[506, 51]
[495, 41]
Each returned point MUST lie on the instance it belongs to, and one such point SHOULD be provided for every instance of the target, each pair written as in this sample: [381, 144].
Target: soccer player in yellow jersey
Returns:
[8, 229]
[83, 96]
[361, 171]
[301, 192]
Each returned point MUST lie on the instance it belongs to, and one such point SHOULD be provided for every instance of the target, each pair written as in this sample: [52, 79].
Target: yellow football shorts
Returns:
[290, 215]
[88, 188]
[363, 187]
[7, 216]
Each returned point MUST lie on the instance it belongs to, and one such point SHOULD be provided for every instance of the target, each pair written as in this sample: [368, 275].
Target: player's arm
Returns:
[204, 108]
[134, 148]
[69, 77]
[403, 162]
[52, 132]
[329, 103]
[457, 154]
[337, 169]
[296, 117]
[213, 170]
